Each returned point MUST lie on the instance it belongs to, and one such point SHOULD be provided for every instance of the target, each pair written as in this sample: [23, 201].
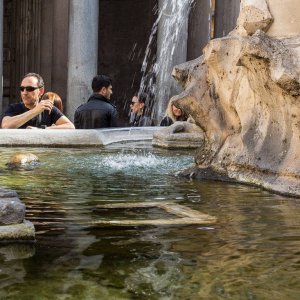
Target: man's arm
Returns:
[17, 121]
[62, 123]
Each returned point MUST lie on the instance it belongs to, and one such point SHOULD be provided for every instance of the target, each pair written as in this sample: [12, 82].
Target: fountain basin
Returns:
[73, 138]
[256, 232]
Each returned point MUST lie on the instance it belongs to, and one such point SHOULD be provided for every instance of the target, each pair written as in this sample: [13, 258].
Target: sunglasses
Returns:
[28, 88]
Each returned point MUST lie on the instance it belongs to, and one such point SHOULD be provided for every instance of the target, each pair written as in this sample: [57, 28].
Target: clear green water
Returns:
[252, 252]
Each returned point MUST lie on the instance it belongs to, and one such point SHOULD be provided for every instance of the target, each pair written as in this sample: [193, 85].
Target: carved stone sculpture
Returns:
[244, 93]
[180, 135]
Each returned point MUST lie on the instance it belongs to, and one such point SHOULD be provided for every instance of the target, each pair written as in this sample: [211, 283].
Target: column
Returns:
[226, 14]
[83, 49]
[171, 49]
[199, 27]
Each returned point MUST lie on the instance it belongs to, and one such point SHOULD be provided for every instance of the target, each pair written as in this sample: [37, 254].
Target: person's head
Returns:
[102, 85]
[138, 103]
[32, 88]
[55, 99]
[177, 112]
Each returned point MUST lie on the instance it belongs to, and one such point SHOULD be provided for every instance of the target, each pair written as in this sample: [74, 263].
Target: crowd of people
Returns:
[45, 110]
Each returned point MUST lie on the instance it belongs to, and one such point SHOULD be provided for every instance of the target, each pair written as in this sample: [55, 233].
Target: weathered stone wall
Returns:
[244, 94]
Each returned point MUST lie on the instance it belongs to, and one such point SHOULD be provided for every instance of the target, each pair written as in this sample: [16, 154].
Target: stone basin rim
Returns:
[74, 138]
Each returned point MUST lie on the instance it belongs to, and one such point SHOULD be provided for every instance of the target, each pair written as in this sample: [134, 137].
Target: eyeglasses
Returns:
[28, 88]
[132, 103]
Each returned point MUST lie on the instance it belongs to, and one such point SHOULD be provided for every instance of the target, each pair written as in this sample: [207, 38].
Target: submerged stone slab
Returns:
[17, 232]
[184, 215]
[25, 161]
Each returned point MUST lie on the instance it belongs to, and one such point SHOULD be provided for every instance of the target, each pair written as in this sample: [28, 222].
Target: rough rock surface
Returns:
[244, 93]
[254, 15]
[12, 211]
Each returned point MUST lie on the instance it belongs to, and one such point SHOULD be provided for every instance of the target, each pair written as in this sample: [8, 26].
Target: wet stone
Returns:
[13, 226]
[6, 193]
[17, 232]
[12, 211]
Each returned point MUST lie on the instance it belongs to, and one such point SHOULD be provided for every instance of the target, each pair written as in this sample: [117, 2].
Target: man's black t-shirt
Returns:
[44, 118]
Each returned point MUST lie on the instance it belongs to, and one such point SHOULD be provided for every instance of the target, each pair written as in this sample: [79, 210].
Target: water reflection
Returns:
[12, 270]
[252, 252]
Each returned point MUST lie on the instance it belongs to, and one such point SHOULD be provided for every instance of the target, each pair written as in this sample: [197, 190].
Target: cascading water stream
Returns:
[169, 33]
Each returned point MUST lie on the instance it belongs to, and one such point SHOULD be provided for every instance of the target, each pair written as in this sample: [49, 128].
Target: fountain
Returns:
[243, 93]
[249, 249]
[172, 22]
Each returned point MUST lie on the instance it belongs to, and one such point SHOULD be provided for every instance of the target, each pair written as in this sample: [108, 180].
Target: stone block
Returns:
[17, 232]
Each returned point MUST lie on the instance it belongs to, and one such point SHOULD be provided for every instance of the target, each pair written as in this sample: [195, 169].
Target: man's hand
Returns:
[44, 105]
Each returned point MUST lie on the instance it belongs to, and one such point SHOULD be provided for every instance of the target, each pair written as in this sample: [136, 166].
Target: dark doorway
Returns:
[34, 40]
[124, 30]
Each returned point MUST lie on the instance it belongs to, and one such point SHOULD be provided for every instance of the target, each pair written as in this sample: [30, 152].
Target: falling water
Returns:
[170, 31]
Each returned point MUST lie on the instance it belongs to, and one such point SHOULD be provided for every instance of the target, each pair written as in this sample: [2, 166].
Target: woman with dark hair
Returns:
[139, 115]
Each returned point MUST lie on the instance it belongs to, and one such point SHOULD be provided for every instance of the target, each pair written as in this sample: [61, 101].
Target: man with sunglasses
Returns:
[31, 112]
[98, 112]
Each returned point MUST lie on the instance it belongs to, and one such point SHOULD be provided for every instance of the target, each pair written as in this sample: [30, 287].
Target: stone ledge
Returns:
[73, 138]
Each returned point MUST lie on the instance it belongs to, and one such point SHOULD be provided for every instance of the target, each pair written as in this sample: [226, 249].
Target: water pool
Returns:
[251, 252]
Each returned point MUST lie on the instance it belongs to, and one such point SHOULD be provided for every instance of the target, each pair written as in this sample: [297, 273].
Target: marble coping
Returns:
[74, 137]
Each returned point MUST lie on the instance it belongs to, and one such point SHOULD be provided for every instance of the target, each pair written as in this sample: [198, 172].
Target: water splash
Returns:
[137, 162]
[140, 163]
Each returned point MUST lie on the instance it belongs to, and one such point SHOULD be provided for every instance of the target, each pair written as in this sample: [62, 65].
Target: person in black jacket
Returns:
[98, 112]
